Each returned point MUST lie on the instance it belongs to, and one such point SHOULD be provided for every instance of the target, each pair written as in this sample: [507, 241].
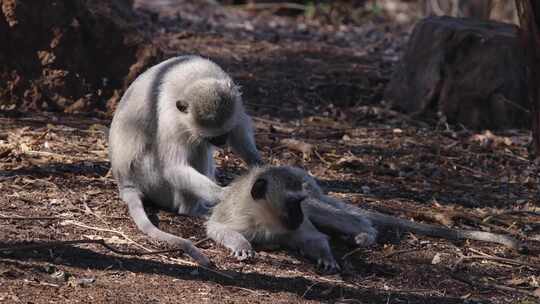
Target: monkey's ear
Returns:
[259, 189]
[182, 106]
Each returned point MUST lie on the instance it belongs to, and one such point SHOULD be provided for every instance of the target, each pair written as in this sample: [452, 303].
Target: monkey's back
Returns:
[135, 128]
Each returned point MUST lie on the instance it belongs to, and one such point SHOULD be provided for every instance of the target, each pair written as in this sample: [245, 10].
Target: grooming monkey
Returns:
[284, 206]
[162, 138]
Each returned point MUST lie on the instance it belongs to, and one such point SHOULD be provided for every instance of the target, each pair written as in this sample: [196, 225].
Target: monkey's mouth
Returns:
[218, 141]
[293, 216]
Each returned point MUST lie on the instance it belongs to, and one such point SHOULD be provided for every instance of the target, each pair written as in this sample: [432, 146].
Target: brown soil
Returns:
[301, 80]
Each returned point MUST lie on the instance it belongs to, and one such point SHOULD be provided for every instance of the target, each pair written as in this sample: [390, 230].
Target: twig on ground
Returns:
[81, 225]
[492, 285]
[45, 245]
[391, 254]
[29, 218]
[485, 256]
[273, 6]
[309, 289]
[69, 222]
[321, 158]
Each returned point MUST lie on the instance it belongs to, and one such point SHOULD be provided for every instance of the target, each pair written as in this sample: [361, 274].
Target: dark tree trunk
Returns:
[529, 19]
[471, 71]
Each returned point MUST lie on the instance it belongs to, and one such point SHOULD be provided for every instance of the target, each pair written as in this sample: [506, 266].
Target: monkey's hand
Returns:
[239, 246]
[319, 250]
[364, 239]
[328, 265]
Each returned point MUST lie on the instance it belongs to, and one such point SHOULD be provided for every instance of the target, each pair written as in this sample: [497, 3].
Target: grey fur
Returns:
[240, 219]
[163, 155]
[325, 211]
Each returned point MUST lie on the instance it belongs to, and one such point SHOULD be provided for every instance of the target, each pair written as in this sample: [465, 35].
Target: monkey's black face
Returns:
[283, 192]
[219, 141]
[292, 215]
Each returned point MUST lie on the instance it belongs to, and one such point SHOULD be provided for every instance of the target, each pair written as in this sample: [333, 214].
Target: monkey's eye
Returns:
[182, 106]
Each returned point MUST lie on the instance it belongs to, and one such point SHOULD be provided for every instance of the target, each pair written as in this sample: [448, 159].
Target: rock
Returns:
[472, 71]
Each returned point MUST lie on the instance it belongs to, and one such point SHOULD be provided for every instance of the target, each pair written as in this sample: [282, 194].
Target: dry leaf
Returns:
[300, 146]
[351, 162]
[490, 140]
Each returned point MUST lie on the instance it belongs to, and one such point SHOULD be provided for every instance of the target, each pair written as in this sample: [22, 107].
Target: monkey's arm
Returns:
[324, 214]
[186, 177]
[242, 142]
[234, 241]
[314, 245]
[133, 198]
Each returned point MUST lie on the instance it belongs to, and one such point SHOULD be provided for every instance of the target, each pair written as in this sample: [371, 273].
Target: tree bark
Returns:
[529, 19]
[472, 71]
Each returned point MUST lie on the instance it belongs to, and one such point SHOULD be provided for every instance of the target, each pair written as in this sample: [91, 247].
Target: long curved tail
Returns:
[133, 199]
[379, 219]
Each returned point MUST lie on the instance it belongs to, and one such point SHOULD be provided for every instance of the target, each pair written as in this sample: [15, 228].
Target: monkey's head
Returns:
[284, 192]
[211, 107]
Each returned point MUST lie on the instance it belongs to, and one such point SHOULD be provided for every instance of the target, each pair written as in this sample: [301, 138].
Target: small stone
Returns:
[366, 189]
[436, 259]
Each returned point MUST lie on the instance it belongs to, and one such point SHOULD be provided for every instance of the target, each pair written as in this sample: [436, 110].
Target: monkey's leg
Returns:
[330, 215]
[186, 177]
[382, 220]
[242, 142]
[314, 245]
[133, 198]
[234, 241]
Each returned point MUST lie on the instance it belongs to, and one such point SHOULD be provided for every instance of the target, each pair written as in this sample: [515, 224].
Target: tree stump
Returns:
[69, 55]
[472, 71]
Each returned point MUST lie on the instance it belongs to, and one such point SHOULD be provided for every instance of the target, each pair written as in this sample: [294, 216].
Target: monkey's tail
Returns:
[379, 219]
[133, 199]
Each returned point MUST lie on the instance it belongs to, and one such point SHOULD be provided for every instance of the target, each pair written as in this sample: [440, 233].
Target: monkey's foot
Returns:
[364, 239]
[244, 254]
[328, 266]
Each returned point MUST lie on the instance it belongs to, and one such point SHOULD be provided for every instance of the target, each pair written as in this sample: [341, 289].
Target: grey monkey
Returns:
[285, 206]
[264, 207]
[162, 138]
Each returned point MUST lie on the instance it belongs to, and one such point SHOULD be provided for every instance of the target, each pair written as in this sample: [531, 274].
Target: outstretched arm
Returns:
[186, 177]
[234, 241]
[314, 245]
[242, 142]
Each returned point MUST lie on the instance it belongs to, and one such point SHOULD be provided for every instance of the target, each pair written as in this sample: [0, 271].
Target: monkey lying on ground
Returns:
[265, 207]
[162, 137]
[284, 205]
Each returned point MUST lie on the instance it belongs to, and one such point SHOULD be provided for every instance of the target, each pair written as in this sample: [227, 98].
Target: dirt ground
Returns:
[315, 83]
